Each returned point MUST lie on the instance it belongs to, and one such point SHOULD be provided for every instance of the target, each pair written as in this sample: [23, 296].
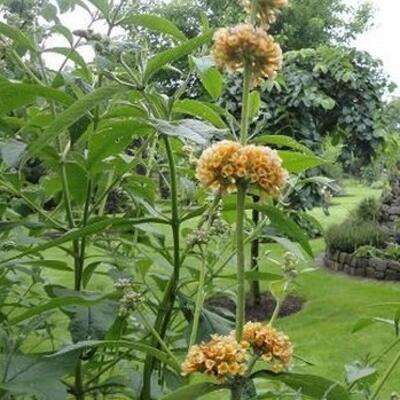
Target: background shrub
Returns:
[353, 234]
[367, 210]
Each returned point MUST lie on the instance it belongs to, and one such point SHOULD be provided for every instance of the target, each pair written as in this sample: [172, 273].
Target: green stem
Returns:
[386, 376]
[79, 272]
[199, 302]
[160, 341]
[79, 393]
[165, 310]
[241, 295]
[244, 125]
[236, 392]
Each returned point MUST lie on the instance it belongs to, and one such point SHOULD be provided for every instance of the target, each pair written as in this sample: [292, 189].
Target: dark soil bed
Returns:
[260, 312]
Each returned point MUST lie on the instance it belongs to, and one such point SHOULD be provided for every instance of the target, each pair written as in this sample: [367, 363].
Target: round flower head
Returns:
[215, 168]
[243, 45]
[267, 10]
[264, 168]
[274, 346]
[221, 357]
[225, 163]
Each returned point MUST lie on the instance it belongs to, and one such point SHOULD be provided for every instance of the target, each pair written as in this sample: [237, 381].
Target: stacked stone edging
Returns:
[372, 267]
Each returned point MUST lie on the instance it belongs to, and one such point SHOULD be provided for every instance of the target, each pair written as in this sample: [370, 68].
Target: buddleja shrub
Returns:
[109, 244]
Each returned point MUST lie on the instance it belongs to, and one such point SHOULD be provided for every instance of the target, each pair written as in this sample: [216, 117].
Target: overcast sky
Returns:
[381, 41]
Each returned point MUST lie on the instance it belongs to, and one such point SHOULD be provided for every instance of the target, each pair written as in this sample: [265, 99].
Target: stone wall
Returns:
[389, 210]
[374, 268]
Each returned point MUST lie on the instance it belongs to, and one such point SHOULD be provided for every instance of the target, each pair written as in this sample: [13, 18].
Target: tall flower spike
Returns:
[221, 357]
[243, 45]
[267, 10]
[274, 346]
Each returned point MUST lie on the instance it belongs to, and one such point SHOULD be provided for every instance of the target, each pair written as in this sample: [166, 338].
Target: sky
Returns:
[381, 41]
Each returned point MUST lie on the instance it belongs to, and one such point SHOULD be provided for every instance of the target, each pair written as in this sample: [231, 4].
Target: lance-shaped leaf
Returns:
[15, 95]
[113, 137]
[190, 129]
[17, 36]
[312, 386]
[283, 141]
[167, 56]
[297, 162]
[194, 391]
[210, 77]
[71, 115]
[201, 110]
[36, 376]
[155, 23]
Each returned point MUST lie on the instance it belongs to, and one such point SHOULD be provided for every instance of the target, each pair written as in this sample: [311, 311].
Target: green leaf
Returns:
[17, 36]
[201, 110]
[102, 6]
[37, 376]
[361, 324]
[284, 141]
[356, 372]
[141, 347]
[112, 138]
[53, 304]
[210, 77]
[297, 162]
[63, 30]
[15, 95]
[312, 386]
[254, 104]
[71, 115]
[72, 55]
[288, 245]
[209, 323]
[285, 225]
[191, 129]
[194, 391]
[167, 56]
[57, 265]
[262, 276]
[155, 23]
[91, 322]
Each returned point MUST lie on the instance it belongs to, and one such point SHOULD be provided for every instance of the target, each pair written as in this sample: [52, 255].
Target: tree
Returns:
[308, 23]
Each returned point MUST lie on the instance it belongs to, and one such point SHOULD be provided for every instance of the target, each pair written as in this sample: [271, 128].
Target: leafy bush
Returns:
[367, 210]
[351, 235]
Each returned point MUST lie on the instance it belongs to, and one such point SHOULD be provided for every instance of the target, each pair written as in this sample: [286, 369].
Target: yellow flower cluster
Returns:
[221, 357]
[267, 10]
[274, 346]
[223, 164]
[243, 45]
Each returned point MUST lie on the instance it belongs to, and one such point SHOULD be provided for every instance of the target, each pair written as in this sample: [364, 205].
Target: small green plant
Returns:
[368, 251]
[351, 235]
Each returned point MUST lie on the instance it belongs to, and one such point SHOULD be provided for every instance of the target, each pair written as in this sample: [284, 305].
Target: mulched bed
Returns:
[261, 312]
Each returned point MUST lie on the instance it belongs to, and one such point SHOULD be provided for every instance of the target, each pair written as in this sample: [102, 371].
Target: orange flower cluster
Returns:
[267, 10]
[225, 163]
[243, 45]
[221, 357]
[274, 346]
